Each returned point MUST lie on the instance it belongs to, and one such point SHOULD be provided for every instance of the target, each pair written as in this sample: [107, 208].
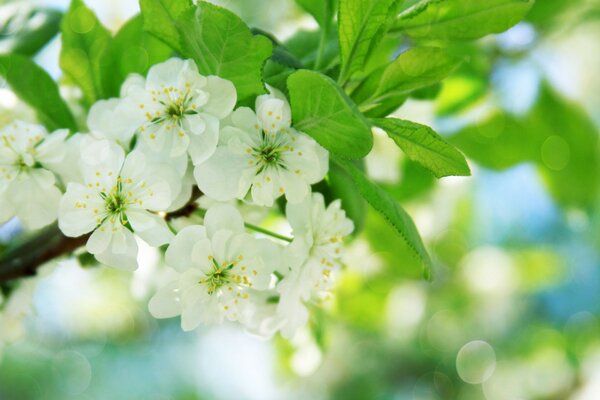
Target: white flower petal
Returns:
[75, 220]
[7, 210]
[179, 252]
[219, 177]
[223, 216]
[203, 145]
[199, 307]
[122, 251]
[222, 97]
[296, 189]
[133, 83]
[53, 149]
[34, 198]
[263, 191]
[100, 239]
[150, 227]
[166, 302]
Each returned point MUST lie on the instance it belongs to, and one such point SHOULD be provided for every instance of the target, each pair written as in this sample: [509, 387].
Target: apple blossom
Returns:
[221, 270]
[262, 154]
[117, 199]
[180, 109]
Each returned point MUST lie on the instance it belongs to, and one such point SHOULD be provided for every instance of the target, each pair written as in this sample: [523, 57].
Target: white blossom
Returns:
[180, 108]
[262, 154]
[118, 197]
[222, 271]
[13, 312]
[313, 256]
[28, 187]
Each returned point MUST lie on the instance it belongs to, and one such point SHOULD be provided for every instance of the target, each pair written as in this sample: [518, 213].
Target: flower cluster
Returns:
[144, 158]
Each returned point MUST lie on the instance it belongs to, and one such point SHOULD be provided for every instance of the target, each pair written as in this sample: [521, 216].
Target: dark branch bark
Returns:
[23, 260]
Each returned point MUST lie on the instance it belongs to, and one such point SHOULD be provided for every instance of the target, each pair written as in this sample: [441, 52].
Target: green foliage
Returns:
[83, 53]
[555, 135]
[321, 10]
[423, 145]
[222, 44]
[362, 24]
[25, 29]
[387, 206]
[135, 51]
[305, 46]
[460, 19]
[417, 68]
[160, 18]
[342, 187]
[321, 109]
[35, 87]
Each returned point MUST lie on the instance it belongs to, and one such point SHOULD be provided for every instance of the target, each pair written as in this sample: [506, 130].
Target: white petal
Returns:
[263, 191]
[299, 214]
[203, 145]
[133, 83]
[150, 227]
[100, 239]
[222, 97]
[122, 251]
[7, 210]
[166, 303]
[199, 307]
[35, 198]
[223, 216]
[53, 149]
[296, 189]
[166, 73]
[220, 244]
[179, 252]
[245, 119]
[202, 256]
[74, 220]
[219, 177]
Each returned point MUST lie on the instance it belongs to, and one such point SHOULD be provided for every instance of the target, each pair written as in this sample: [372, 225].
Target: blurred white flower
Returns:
[313, 256]
[27, 184]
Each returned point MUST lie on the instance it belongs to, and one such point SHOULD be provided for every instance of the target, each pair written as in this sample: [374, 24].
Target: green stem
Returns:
[267, 232]
[255, 228]
[321, 50]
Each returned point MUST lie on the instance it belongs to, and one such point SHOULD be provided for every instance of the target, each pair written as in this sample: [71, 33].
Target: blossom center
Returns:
[218, 277]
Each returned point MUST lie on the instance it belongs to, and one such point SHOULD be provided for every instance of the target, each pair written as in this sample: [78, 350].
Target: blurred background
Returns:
[512, 312]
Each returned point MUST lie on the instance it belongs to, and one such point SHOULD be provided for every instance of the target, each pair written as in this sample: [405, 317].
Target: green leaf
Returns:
[160, 18]
[135, 51]
[321, 109]
[305, 46]
[26, 29]
[421, 144]
[222, 44]
[416, 68]
[35, 87]
[83, 54]
[555, 135]
[341, 187]
[395, 215]
[362, 24]
[321, 10]
[460, 19]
